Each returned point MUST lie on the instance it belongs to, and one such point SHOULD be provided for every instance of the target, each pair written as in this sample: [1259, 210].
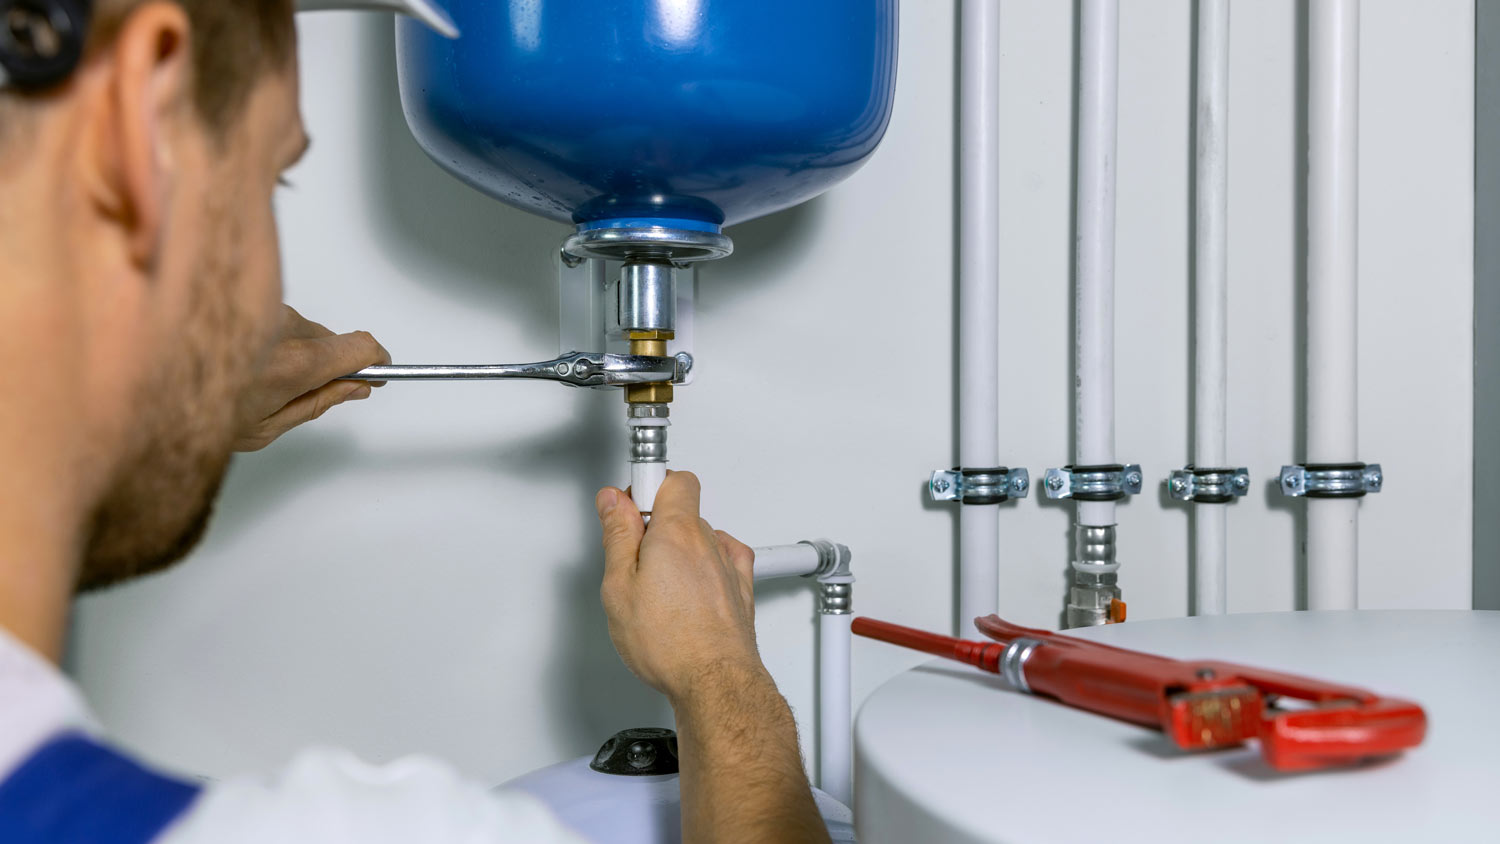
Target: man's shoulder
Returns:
[37, 702]
[329, 795]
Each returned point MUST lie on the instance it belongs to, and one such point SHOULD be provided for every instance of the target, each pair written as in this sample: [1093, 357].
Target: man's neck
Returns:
[38, 564]
[45, 455]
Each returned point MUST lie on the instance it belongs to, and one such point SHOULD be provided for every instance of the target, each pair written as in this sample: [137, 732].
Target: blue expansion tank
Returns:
[686, 114]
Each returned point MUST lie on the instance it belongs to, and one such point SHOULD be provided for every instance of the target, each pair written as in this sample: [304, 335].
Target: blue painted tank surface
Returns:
[685, 113]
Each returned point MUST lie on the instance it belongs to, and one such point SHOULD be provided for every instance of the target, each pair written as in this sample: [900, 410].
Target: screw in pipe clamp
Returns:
[1331, 480]
[1208, 486]
[979, 486]
[1094, 483]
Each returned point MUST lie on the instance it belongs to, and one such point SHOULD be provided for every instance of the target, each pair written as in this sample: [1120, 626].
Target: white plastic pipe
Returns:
[1094, 331]
[645, 481]
[979, 299]
[835, 728]
[1332, 294]
[775, 561]
[1211, 288]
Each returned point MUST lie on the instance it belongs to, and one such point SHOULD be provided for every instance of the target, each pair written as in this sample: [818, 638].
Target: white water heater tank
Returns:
[628, 792]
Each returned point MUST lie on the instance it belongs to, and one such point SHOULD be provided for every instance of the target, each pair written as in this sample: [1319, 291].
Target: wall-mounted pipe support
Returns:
[1208, 486]
[979, 486]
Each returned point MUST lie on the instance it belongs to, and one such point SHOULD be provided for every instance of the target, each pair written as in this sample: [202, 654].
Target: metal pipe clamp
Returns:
[1094, 483]
[1208, 486]
[1331, 480]
[979, 486]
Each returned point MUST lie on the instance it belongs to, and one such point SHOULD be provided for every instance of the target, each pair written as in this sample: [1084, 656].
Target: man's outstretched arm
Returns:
[681, 605]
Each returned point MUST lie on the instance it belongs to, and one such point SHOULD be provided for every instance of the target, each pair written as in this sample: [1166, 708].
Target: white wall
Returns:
[420, 573]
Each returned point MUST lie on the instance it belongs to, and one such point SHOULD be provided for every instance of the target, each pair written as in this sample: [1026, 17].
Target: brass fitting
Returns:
[652, 344]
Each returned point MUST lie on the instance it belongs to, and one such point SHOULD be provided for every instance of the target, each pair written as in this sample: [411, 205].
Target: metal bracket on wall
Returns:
[1094, 483]
[979, 486]
[1331, 480]
[1208, 486]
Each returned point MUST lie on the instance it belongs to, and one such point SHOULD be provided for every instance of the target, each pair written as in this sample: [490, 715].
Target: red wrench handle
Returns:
[984, 655]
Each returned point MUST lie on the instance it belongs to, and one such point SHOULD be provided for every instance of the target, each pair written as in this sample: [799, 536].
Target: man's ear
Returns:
[147, 93]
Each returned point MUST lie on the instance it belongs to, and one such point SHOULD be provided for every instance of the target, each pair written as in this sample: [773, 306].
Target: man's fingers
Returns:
[318, 402]
[343, 354]
[678, 497]
[305, 408]
[303, 365]
[623, 529]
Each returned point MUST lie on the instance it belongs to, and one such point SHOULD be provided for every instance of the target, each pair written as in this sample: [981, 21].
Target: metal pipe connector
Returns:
[647, 298]
[835, 597]
[1094, 597]
[833, 558]
[1095, 548]
[648, 443]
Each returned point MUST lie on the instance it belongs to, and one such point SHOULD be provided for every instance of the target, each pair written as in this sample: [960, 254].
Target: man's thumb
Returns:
[623, 529]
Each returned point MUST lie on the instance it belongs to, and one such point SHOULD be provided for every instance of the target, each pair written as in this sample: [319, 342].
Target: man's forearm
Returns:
[742, 777]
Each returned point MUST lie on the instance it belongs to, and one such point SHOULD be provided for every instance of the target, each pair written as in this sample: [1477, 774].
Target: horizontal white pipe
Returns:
[1332, 293]
[979, 298]
[1094, 331]
[835, 730]
[775, 561]
[1211, 289]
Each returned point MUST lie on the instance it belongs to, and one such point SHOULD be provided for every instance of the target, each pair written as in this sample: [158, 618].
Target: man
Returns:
[141, 323]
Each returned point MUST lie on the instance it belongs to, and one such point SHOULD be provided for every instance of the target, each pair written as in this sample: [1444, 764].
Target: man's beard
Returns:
[158, 505]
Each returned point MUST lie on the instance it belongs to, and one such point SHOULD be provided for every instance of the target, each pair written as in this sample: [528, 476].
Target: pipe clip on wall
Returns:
[979, 486]
[1208, 486]
[1094, 483]
[1331, 480]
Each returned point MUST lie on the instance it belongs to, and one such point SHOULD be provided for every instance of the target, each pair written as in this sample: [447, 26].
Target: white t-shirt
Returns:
[322, 796]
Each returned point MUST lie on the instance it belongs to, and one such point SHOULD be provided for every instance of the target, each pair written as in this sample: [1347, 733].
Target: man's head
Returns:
[136, 219]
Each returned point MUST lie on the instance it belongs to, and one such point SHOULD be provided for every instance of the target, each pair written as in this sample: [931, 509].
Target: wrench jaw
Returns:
[1207, 719]
[1340, 733]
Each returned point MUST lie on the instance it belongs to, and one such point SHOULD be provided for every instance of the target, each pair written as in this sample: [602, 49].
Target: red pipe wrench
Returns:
[1301, 723]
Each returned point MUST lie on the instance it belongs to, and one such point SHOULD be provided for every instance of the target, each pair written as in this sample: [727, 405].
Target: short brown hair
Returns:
[234, 43]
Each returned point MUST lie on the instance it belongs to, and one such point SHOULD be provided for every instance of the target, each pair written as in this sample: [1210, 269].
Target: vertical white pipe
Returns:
[835, 728]
[1332, 293]
[979, 299]
[1211, 288]
[1098, 98]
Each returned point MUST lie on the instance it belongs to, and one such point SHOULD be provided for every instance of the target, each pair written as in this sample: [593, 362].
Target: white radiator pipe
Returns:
[1332, 294]
[979, 299]
[835, 709]
[1211, 311]
[1094, 332]
[774, 561]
